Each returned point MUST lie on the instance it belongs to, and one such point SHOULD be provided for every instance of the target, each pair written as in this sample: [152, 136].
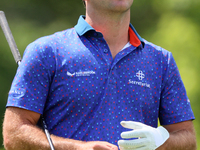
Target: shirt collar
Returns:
[82, 27]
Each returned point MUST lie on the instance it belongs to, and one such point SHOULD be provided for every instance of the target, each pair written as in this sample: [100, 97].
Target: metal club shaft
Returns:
[9, 37]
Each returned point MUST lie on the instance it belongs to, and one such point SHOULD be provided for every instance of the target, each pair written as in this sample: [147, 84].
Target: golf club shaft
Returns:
[9, 37]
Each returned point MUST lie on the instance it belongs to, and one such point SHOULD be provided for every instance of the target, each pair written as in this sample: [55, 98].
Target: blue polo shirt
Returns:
[72, 79]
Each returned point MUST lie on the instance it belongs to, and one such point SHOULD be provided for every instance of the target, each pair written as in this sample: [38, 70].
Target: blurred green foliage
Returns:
[171, 24]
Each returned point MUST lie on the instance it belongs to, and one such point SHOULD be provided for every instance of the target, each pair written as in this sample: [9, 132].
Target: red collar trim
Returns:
[134, 40]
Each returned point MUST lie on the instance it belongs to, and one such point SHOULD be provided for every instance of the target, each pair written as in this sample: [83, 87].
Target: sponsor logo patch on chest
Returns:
[81, 73]
[140, 76]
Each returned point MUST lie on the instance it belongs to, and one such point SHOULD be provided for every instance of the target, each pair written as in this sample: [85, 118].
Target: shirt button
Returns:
[105, 51]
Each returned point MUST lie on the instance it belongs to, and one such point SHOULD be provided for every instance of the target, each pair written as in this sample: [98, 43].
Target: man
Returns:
[88, 79]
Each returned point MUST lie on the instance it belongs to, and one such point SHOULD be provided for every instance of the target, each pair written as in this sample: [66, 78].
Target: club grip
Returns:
[8, 34]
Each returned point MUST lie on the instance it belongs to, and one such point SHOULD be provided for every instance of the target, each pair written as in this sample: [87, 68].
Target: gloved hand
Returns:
[148, 138]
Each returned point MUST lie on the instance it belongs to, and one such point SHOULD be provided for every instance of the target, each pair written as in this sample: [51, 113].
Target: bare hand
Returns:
[98, 145]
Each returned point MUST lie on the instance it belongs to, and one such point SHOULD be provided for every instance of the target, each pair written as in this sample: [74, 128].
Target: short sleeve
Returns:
[175, 105]
[29, 89]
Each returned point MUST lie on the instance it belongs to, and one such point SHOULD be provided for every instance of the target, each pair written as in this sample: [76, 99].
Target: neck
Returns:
[114, 28]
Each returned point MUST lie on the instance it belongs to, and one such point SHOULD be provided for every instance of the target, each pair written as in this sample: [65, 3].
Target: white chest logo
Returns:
[81, 73]
[140, 75]
[141, 83]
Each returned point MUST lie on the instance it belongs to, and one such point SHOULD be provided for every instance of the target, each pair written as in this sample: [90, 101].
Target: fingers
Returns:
[111, 146]
[138, 129]
[134, 134]
[136, 143]
[100, 145]
[132, 124]
[144, 134]
[139, 148]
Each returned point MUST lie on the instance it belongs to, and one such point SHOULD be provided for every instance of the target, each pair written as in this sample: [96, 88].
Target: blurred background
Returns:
[171, 24]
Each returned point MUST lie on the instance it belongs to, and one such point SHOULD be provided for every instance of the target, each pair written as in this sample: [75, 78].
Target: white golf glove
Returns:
[147, 137]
